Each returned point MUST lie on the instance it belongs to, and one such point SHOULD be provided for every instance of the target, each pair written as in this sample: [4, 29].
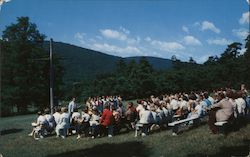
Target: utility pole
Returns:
[51, 76]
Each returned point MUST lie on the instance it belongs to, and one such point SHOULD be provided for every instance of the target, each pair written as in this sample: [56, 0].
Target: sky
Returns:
[159, 28]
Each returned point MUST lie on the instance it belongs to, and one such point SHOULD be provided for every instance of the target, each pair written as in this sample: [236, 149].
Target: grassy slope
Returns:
[195, 142]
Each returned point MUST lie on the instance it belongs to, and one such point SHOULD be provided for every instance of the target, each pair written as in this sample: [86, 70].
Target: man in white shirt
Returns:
[72, 106]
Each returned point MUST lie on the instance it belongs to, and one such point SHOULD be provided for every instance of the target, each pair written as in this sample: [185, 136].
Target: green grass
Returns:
[194, 142]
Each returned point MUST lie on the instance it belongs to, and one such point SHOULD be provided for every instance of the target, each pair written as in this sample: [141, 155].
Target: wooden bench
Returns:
[175, 125]
[221, 126]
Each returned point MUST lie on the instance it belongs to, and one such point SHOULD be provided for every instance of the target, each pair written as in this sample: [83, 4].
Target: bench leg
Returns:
[175, 130]
[222, 129]
[136, 132]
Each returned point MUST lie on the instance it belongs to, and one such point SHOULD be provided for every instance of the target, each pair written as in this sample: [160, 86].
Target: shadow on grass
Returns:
[128, 149]
[10, 131]
[237, 151]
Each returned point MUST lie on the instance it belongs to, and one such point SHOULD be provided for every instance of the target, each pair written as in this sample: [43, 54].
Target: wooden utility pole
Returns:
[51, 77]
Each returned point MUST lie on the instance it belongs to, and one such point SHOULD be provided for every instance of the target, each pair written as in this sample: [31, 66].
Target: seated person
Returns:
[57, 115]
[85, 120]
[39, 125]
[130, 116]
[64, 123]
[75, 123]
[146, 119]
[94, 123]
[51, 121]
[219, 112]
[107, 121]
[196, 112]
[117, 120]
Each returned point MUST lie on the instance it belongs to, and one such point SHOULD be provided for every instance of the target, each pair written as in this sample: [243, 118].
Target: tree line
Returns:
[134, 80]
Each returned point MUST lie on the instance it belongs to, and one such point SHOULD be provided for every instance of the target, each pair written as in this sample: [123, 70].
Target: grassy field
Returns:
[14, 142]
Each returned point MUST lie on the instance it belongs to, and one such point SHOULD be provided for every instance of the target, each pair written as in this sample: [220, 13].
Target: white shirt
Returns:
[63, 121]
[76, 115]
[183, 104]
[50, 120]
[71, 107]
[241, 105]
[145, 117]
[174, 104]
[41, 120]
[56, 116]
[198, 110]
[85, 117]
[139, 108]
[94, 120]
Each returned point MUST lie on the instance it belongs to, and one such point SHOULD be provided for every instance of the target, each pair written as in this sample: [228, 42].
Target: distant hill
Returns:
[81, 63]
[157, 63]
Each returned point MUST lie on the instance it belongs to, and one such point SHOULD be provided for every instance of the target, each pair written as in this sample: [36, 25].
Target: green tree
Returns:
[25, 81]
[231, 52]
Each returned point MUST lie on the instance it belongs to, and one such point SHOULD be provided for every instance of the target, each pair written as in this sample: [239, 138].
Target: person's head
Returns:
[130, 104]
[94, 111]
[205, 95]
[184, 98]
[230, 94]
[120, 104]
[73, 98]
[85, 110]
[64, 109]
[242, 87]
[192, 96]
[139, 102]
[113, 108]
[106, 106]
[221, 95]
[46, 111]
[39, 113]
[57, 109]
[239, 94]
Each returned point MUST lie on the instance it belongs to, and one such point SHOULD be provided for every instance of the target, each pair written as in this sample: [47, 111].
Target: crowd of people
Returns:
[107, 115]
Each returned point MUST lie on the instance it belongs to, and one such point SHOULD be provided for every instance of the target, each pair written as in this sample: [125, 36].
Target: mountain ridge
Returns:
[82, 63]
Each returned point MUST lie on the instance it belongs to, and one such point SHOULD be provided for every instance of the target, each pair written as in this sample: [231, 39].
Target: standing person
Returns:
[72, 106]
[107, 121]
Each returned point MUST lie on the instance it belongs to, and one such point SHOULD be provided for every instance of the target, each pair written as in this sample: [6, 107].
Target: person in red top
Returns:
[107, 121]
